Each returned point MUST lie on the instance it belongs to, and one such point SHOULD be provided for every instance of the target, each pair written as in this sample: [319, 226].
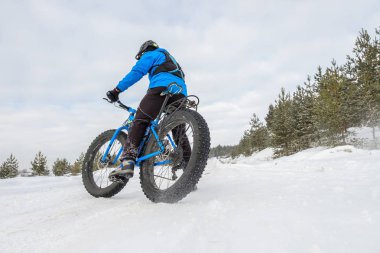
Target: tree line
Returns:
[322, 109]
[9, 168]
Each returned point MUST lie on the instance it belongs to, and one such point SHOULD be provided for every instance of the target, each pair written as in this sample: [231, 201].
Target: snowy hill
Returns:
[319, 200]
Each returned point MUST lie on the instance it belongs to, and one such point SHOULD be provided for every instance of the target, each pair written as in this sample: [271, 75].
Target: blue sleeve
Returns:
[138, 71]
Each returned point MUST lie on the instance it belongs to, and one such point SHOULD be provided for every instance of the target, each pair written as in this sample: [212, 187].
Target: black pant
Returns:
[147, 111]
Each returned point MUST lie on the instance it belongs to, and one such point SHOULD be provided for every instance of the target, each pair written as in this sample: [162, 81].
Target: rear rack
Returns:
[189, 102]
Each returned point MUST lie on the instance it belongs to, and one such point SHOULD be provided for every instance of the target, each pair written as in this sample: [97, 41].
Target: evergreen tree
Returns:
[9, 168]
[77, 166]
[235, 152]
[39, 165]
[305, 130]
[332, 110]
[352, 104]
[281, 125]
[270, 115]
[215, 151]
[366, 72]
[269, 119]
[244, 146]
[220, 150]
[254, 139]
[258, 135]
[322, 111]
[61, 167]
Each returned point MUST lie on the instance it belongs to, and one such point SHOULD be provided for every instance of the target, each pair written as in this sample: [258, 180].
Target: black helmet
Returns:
[146, 46]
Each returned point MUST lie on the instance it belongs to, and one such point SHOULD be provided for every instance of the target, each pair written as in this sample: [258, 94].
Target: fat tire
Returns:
[87, 167]
[196, 165]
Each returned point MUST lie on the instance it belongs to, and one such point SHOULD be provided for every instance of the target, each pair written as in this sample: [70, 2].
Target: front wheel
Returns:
[95, 172]
[170, 182]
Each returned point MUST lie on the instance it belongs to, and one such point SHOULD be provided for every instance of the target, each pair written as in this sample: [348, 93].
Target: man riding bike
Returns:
[163, 70]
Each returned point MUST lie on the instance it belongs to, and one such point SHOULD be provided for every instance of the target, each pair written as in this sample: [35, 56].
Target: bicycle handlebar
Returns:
[172, 89]
[121, 105]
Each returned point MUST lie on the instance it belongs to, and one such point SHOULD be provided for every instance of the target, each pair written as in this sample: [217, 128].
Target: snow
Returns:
[365, 132]
[319, 200]
[363, 137]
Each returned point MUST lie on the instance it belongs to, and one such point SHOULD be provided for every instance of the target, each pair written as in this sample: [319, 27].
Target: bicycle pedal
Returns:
[118, 179]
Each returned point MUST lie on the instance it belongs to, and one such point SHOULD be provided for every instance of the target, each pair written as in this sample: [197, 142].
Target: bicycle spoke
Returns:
[101, 169]
[164, 177]
[182, 135]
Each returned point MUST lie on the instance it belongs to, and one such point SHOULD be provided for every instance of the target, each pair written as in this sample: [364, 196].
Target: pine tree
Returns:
[281, 125]
[254, 139]
[77, 166]
[220, 150]
[61, 167]
[366, 71]
[305, 130]
[270, 115]
[269, 119]
[9, 168]
[352, 105]
[258, 134]
[333, 113]
[39, 165]
[321, 112]
[215, 151]
[244, 146]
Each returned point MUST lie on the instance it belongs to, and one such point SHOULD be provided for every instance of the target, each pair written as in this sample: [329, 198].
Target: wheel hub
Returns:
[176, 156]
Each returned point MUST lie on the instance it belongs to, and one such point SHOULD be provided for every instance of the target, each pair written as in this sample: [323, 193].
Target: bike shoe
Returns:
[125, 170]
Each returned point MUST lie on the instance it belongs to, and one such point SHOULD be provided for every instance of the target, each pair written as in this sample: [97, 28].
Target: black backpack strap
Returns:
[170, 65]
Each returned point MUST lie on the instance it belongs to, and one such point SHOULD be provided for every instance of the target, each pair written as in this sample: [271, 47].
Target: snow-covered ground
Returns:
[319, 200]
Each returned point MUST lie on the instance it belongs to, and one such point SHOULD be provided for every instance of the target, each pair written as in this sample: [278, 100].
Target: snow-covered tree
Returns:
[76, 168]
[303, 104]
[39, 165]
[334, 116]
[366, 72]
[280, 123]
[61, 167]
[258, 134]
[9, 168]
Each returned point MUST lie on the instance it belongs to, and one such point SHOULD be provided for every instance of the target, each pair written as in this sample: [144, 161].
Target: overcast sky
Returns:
[59, 58]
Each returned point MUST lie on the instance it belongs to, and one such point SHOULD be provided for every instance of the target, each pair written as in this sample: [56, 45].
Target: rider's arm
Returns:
[138, 71]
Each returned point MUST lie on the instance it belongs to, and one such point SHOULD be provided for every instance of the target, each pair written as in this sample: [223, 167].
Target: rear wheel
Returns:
[171, 182]
[95, 172]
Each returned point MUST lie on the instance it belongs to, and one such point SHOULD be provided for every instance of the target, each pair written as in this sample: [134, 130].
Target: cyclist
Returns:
[163, 70]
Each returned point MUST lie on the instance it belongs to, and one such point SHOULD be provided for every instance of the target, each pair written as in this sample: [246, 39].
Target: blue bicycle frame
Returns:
[151, 131]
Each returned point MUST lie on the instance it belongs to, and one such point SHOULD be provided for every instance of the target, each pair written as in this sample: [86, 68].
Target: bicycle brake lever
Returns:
[109, 101]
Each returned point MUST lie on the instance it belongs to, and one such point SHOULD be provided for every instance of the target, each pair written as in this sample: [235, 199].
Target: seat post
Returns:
[167, 96]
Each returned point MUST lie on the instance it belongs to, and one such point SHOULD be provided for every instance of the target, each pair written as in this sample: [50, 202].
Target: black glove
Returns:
[113, 95]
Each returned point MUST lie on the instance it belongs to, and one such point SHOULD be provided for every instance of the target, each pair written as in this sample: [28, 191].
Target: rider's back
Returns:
[147, 64]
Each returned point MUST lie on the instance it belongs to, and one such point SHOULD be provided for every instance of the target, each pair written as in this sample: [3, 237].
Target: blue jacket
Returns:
[144, 65]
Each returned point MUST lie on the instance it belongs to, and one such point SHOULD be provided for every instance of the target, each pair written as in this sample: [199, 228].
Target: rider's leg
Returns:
[180, 138]
[147, 111]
